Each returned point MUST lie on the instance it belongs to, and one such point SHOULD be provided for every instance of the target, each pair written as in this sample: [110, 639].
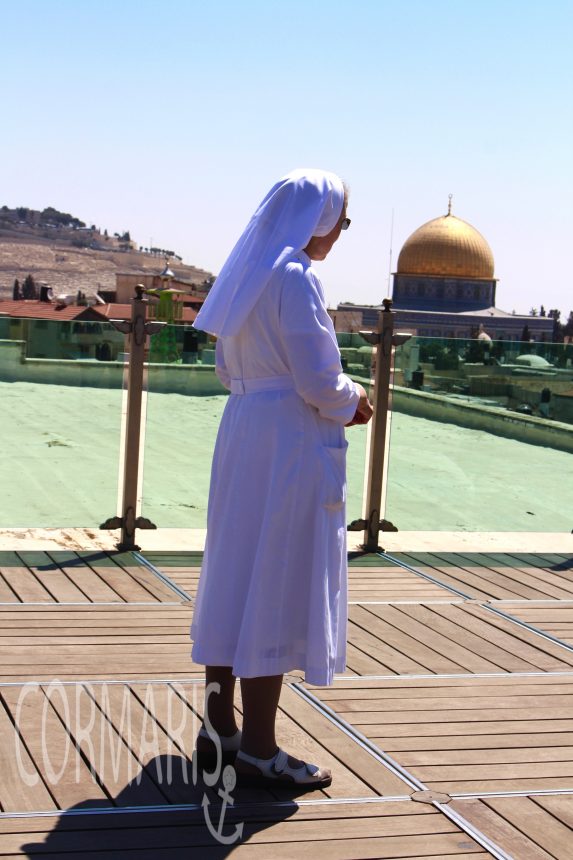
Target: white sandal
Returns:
[277, 771]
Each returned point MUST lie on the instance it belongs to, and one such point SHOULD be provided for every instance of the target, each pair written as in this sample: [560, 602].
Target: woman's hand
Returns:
[364, 409]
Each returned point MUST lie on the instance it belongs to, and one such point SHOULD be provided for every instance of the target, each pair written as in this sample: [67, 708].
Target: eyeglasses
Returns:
[345, 224]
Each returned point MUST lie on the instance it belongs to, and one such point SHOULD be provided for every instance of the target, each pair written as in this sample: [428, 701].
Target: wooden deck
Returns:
[449, 736]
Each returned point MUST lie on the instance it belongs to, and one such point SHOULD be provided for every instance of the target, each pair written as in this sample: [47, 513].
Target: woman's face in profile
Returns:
[320, 246]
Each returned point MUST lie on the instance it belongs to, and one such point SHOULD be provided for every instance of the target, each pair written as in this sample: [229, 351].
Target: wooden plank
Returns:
[560, 806]
[123, 584]
[473, 744]
[107, 568]
[23, 582]
[512, 841]
[451, 625]
[392, 647]
[527, 581]
[536, 824]
[400, 689]
[496, 582]
[525, 645]
[467, 658]
[359, 712]
[268, 812]
[281, 833]
[552, 583]
[371, 773]
[523, 769]
[163, 752]
[456, 756]
[53, 578]
[107, 754]
[342, 840]
[56, 762]
[485, 727]
[148, 580]
[88, 581]
[382, 705]
[17, 769]
[464, 683]
[7, 594]
[361, 662]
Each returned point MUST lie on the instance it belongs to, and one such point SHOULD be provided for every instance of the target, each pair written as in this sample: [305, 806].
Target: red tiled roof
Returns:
[117, 311]
[35, 309]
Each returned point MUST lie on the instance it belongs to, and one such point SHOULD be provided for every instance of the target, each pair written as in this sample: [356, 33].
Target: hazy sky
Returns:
[172, 118]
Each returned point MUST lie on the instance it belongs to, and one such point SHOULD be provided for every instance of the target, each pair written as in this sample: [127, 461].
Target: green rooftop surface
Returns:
[59, 466]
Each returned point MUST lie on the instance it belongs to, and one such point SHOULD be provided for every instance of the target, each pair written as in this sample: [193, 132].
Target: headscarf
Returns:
[302, 204]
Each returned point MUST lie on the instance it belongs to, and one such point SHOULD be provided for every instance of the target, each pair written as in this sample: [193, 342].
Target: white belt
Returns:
[263, 383]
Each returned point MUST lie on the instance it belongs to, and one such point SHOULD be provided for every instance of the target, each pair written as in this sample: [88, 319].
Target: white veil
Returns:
[302, 204]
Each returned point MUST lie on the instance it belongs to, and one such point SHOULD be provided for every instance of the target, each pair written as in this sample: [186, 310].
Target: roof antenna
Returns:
[390, 254]
[450, 203]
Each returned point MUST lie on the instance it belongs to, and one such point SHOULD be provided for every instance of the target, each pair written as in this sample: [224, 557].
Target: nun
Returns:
[272, 595]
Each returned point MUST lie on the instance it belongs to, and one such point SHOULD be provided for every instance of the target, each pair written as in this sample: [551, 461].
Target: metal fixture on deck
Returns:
[138, 329]
[384, 339]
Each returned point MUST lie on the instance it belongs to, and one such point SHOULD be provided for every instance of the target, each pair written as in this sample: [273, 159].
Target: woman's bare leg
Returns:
[220, 705]
[260, 702]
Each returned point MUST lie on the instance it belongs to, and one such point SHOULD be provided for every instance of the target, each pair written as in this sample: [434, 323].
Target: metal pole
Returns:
[133, 426]
[138, 329]
[381, 396]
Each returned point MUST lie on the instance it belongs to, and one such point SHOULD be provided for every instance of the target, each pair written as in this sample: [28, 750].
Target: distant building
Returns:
[125, 283]
[445, 286]
[53, 329]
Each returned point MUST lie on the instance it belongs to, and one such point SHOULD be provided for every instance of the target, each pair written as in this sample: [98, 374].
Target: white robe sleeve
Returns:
[220, 366]
[310, 344]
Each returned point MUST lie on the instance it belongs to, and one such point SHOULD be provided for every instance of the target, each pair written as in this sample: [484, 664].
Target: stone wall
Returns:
[501, 422]
[192, 379]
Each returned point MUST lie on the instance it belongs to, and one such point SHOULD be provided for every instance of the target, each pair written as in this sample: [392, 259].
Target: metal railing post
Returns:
[384, 339]
[133, 425]
[381, 396]
[138, 330]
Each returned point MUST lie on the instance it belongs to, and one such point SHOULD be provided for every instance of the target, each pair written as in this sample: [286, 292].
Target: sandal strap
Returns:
[278, 765]
[280, 762]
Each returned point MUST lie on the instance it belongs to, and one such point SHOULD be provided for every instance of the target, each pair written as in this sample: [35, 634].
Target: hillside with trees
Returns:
[60, 249]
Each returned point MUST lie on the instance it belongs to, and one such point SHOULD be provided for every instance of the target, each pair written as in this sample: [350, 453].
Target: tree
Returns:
[542, 311]
[525, 334]
[568, 327]
[29, 288]
[16, 295]
[533, 312]
[557, 335]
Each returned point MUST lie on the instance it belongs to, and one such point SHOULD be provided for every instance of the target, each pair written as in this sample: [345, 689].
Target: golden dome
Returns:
[446, 246]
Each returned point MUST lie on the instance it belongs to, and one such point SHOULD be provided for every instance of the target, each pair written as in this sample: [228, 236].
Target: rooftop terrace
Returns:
[450, 735]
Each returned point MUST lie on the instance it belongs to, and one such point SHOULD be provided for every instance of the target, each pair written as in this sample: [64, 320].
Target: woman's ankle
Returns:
[259, 750]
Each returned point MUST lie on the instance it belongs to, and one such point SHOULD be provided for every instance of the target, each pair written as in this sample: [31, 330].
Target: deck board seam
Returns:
[532, 629]
[162, 577]
[360, 739]
[451, 588]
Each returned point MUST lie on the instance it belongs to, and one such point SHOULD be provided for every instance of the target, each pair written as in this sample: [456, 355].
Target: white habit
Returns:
[273, 588]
